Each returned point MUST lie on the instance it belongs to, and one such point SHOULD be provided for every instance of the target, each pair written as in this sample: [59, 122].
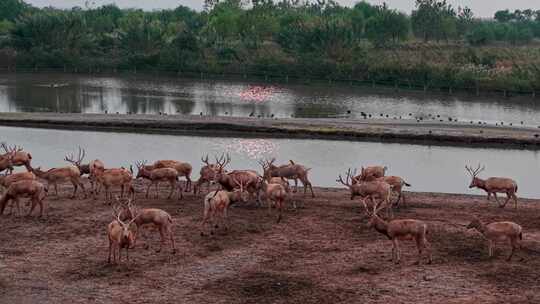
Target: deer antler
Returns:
[474, 172]
[205, 160]
[223, 161]
[347, 180]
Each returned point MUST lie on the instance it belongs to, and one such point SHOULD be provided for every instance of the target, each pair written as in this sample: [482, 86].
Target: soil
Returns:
[386, 130]
[321, 253]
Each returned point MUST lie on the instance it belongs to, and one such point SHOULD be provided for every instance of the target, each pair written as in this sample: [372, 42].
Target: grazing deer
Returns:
[405, 229]
[494, 185]
[61, 175]
[499, 232]
[169, 175]
[24, 188]
[397, 183]
[89, 168]
[216, 205]
[372, 172]
[277, 194]
[289, 171]
[374, 189]
[184, 169]
[249, 180]
[150, 216]
[120, 236]
[116, 177]
[208, 172]
[19, 158]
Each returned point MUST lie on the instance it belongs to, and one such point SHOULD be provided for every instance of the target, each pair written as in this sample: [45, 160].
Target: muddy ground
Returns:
[318, 254]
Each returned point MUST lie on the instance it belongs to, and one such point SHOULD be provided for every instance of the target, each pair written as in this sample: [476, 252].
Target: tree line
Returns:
[437, 44]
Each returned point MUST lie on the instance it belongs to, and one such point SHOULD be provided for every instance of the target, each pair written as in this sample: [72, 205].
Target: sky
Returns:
[481, 8]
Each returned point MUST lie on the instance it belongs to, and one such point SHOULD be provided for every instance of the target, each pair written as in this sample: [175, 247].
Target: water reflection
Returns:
[144, 94]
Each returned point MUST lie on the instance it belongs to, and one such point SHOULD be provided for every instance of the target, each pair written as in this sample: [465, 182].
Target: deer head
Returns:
[475, 181]
[76, 162]
[141, 169]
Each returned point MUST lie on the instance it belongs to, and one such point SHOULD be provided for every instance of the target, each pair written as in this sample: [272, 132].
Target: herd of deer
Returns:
[371, 185]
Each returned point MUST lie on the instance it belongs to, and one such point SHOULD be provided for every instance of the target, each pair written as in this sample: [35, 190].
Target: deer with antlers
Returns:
[89, 168]
[289, 171]
[494, 185]
[115, 177]
[24, 188]
[374, 190]
[401, 229]
[120, 236]
[209, 171]
[149, 216]
[156, 176]
[397, 183]
[216, 205]
[184, 169]
[55, 176]
[19, 156]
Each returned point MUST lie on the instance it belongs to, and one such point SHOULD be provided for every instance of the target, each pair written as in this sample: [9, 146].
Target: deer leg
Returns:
[161, 238]
[513, 242]
[508, 197]
[295, 185]
[148, 189]
[40, 202]
[280, 208]
[110, 252]
[173, 187]
[490, 249]
[82, 187]
[157, 189]
[75, 187]
[171, 236]
[515, 200]
[56, 189]
[188, 183]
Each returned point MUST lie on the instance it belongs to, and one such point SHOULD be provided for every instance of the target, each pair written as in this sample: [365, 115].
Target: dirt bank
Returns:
[318, 254]
[407, 131]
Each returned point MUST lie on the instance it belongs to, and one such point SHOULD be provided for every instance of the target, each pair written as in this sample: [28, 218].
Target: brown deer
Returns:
[277, 194]
[288, 171]
[494, 185]
[120, 236]
[216, 205]
[371, 172]
[184, 169]
[6, 180]
[116, 177]
[397, 183]
[208, 171]
[6, 162]
[150, 216]
[20, 157]
[61, 175]
[401, 229]
[499, 232]
[24, 188]
[89, 168]
[156, 176]
[373, 190]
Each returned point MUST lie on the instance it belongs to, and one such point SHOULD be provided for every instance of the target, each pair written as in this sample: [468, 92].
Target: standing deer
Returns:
[6, 162]
[61, 175]
[499, 232]
[209, 171]
[20, 157]
[116, 177]
[396, 230]
[371, 172]
[150, 216]
[89, 168]
[120, 236]
[276, 193]
[395, 182]
[494, 185]
[24, 188]
[7, 180]
[289, 171]
[169, 175]
[184, 169]
[216, 205]
[374, 189]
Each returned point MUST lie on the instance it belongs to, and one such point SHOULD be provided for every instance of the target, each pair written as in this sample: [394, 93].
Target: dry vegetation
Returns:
[318, 254]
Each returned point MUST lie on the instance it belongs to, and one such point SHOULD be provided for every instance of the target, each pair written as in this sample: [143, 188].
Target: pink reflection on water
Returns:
[252, 148]
[257, 94]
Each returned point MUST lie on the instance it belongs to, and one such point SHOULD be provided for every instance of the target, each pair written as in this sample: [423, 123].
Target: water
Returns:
[427, 168]
[151, 95]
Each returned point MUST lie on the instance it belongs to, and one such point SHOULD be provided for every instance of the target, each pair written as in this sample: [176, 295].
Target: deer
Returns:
[7, 180]
[208, 171]
[397, 183]
[373, 189]
[289, 171]
[499, 232]
[276, 193]
[89, 168]
[120, 236]
[169, 175]
[61, 175]
[119, 177]
[401, 229]
[24, 188]
[183, 168]
[6, 162]
[494, 185]
[371, 172]
[19, 158]
[216, 205]
[149, 216]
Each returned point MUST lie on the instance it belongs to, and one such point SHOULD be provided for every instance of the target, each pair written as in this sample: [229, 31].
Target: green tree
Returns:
[433, 19]
[387, 26]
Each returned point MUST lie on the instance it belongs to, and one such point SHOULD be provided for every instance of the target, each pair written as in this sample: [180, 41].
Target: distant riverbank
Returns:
[406, 131]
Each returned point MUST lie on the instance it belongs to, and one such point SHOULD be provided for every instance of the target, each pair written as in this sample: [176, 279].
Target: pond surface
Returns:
[427, 168]
[56, 92]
